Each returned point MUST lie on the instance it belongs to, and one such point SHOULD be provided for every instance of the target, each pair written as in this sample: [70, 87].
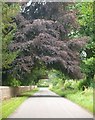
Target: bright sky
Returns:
[29, 3]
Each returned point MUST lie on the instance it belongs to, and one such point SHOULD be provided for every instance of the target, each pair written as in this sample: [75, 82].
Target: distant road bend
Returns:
[47, 104]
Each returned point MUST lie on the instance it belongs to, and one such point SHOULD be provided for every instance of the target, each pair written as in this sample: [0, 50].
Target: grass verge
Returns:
[10, 105]
[83, 98]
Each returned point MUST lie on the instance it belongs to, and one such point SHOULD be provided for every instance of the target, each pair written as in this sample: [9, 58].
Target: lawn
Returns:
[83, 98]
[10, 105]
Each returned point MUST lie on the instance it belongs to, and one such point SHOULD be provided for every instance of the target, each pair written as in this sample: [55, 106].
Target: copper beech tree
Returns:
[43, 35]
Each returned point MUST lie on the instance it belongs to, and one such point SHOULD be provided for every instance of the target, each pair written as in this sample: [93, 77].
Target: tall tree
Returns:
[86, 20]
[9, 11]
[43, 36]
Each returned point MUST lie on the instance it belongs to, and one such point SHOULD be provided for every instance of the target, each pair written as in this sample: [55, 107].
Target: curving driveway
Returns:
[47, 104]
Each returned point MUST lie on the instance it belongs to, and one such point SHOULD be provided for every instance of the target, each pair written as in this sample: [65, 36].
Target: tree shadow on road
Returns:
[34, 96]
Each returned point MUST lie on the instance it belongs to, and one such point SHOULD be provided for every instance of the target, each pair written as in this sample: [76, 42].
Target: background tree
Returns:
[86, 20]
[9, 11]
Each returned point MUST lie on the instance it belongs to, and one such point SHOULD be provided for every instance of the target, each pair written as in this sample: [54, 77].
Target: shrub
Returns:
[71, 84]
[83, 84]
[75, 84]
[15, 82]
[67, 84]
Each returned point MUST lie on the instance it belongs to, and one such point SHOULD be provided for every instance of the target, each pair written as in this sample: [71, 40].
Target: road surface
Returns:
[47, 104]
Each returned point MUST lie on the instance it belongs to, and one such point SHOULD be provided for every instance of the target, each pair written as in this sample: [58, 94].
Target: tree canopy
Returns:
[49, 34]
[43, 36]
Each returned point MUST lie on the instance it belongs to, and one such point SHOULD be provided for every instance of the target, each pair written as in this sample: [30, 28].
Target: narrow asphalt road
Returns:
[47, 104]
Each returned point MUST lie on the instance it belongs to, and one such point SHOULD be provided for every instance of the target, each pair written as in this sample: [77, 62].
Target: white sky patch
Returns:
[23, 9]
[29, 3]
[83, 54]
[36, 10]
[28, 10]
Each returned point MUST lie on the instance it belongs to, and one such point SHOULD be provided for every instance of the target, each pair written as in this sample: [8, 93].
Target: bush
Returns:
[13, 82]
[75, 84]
[67, 84]
[78, 84]
[43, 85]
[83, 84]
[71, 84]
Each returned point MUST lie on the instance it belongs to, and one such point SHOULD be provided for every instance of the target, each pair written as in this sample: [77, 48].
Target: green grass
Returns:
[10, 105]
[83, 98]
